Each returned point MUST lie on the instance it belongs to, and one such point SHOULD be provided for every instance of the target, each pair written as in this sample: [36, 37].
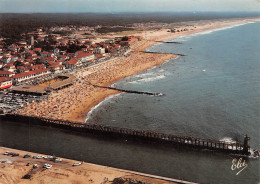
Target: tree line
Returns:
[12, 25]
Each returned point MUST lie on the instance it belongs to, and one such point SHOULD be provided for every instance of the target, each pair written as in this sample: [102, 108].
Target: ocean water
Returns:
[213, 93]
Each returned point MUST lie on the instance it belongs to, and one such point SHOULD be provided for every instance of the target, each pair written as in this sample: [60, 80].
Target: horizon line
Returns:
[133, 12]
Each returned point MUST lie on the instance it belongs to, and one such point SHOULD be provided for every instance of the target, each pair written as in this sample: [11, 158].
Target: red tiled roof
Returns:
[21, 67]
[45, 52]
[98, 55]
[38, 49]
[32, 52]
[11, 64]
[88, 40]
[95, 45]
[56, 66]
[32, 57]
[40, 66]
[80, 52]
[48, 58]
[72, 61]
[84, 55]
[6, 72]
[3, 79]
[28, 73]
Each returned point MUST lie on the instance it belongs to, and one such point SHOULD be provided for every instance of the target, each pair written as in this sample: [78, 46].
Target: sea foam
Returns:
[227, 140]
[95, 108]
[150, 79]
[187, 37]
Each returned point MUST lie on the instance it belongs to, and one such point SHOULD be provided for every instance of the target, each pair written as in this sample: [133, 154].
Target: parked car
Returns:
[26, 156]
[14, 154]
[7, 153]
[35, 166]
[58, 160]
[47, 166]
[37, 157]
[48, 157]
[77, 164]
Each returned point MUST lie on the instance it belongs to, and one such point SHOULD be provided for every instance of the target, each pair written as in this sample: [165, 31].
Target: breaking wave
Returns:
[187, 37]
[227, 140]
[148, 79]
[95, 108]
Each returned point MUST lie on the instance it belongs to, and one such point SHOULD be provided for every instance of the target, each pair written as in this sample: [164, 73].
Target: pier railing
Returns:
[145, 135]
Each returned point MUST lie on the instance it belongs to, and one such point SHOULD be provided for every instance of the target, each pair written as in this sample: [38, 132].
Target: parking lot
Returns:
[11, 101]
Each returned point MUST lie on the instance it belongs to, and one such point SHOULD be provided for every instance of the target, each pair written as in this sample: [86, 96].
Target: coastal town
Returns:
[44, 54]
[57, 75]
[33, 69]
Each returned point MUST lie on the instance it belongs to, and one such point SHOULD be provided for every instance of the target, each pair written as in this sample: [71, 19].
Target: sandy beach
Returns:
[64, 171]
[74, 103]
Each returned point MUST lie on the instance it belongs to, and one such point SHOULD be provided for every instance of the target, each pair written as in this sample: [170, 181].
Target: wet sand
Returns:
[13, 169]
[73, 103]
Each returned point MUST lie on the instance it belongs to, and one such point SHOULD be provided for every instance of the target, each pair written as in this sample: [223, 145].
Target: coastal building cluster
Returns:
[151, 24]
[46, 52]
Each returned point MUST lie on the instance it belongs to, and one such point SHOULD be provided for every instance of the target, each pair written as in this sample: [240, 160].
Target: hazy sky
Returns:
[127, 5]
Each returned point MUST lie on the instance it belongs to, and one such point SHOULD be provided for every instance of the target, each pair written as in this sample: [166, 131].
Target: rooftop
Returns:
[30, 89]
[36, 89]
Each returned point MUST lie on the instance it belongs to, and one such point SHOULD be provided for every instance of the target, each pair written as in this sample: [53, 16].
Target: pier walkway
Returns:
[141, 135]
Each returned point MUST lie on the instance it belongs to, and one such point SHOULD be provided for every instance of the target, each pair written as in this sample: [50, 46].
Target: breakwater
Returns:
[127, 91]
[174, 42]
[169, 42]
[161, 53]
[140, 135]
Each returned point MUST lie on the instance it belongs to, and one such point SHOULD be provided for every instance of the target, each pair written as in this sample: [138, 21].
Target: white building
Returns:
[99, 50]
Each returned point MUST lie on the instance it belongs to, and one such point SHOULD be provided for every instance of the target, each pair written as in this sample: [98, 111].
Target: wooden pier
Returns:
[147, 136]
